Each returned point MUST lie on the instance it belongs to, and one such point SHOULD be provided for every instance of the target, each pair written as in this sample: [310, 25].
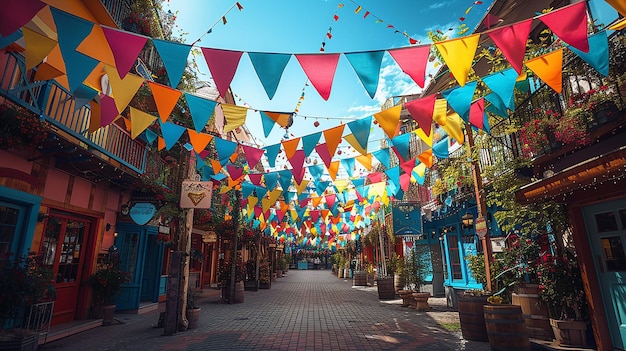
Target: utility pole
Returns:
[481, 203]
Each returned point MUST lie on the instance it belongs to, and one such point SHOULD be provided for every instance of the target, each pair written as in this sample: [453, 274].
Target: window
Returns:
[455, 258]
[8, 227]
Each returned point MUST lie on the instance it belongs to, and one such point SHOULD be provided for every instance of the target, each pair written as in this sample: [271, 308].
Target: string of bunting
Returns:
[222, 19]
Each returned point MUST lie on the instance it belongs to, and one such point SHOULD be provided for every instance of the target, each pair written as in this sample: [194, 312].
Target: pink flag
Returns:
[322, 151]
[16, 13]
[297, 164]
[125, 47]
[477, 113]
[255, 178]
[235, 172]
[108, 110]
[511, 40]
[569, 24]
[253, 155]
[412, 61]
[320, 69]
[223, 65]
[422, 111]
[408, 166]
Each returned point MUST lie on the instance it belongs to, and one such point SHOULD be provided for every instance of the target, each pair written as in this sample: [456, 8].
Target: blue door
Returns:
[606, 228]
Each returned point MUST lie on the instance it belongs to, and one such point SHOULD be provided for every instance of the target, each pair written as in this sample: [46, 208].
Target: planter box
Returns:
[569, 333]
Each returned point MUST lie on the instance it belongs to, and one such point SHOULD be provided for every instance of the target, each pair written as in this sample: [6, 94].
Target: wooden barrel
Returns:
[239, 289]
[359, 278]
[472, 317]
[534, 310]
[398, 282]
[386, 289]
[505, 328]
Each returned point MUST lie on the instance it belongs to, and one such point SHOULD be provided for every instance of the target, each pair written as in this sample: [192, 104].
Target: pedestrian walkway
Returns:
[305, 310]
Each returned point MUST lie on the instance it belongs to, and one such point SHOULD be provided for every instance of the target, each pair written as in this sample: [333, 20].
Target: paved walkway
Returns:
[305, 310]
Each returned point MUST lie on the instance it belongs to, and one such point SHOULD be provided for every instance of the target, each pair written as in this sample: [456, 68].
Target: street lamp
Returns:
[467, 220]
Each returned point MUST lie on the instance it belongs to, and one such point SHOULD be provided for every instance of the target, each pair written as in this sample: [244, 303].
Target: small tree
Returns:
[417, 267]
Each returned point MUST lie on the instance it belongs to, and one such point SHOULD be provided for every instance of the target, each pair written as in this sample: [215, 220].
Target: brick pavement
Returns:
[305, 310]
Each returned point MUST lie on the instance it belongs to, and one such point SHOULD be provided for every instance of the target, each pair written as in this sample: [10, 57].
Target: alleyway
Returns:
[305, 310]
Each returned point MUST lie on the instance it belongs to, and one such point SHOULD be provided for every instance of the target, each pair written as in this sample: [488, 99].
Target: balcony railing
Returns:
[54, 103]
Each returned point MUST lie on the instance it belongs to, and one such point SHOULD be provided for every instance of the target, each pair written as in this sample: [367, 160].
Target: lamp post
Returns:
[481, 204]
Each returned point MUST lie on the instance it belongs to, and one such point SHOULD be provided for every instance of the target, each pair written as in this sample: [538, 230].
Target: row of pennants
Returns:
[424, 111]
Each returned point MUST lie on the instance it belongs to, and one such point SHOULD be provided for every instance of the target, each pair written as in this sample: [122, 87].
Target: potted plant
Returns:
[20, 129]
[264, 274]
[24, 281]
[106, 282]
[561, 287]
[193, 309]
[537, 135]
[224, 279]
[416, 271]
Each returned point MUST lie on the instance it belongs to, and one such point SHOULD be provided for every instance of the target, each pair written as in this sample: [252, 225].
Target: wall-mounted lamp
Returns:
[125, 210]
[467, 220]
[108, 227]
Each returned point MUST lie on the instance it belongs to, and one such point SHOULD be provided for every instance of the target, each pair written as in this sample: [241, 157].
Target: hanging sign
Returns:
[481, 227]
[142, 212]
[196, 194]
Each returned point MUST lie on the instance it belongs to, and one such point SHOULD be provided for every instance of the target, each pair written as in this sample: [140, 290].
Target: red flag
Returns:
[224, 19]
[330, 36]
[336, 18]
[367, 13]
[569, 24]
[239, 6]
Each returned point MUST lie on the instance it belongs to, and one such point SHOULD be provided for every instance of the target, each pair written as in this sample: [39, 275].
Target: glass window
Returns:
[614, 256]
[8, 225]
[455, 258]
[606, 222]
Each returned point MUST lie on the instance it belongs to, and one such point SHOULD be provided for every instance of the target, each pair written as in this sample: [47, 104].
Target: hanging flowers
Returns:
[20, 129]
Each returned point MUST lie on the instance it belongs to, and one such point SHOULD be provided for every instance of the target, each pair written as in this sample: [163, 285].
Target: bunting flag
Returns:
[401, 145]
[235, 116]
[598, 55]
[53, 68]
[123, 89]
[549, 68]
[441, 148]
[139, 121]
[333, 169]
[502, 84]
[459, 55]
[428, 139]
[348, 165]
[283, 119]
[460, 98]
[407, 166]
[422, 111]
[225, 149]
[477, 113]
[94, 119]
[268, 123]
[365, 160]
[171, 133]
[309, 142]
[16, 13]
[269, 68]
[412, 61]
[253, 155]
[324, 154]
[297, 162]
[290, 147]
[511, 40]
[454, 127]
[569, 23]
[200, 109]
[11, 38]
[333, 138]
[223, 65]
[165, 99]
[361, 130]
[125, 46]
[320, 69]
[37, 47]
[389, 119]
[108, 110]
[270, 180]
[496, 106]
[272, 154]
[199, 141]
[234, 172]
[174, 56]
[317, 171]
[426, 158]
[383, 156]
[255, 178]
[367, 67]
[95, 45]
[83, 95]
[355, 144]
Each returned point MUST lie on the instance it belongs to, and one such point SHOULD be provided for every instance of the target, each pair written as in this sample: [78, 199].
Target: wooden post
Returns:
[233, 266]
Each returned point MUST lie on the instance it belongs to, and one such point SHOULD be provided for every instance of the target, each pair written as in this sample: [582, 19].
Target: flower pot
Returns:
[386, 290]
[359, 278]
[108, 312]
[421, 300]
[505, 328]
[407, 297]
[471, 317]
[569, 333]
[193, 315]
[534, 310]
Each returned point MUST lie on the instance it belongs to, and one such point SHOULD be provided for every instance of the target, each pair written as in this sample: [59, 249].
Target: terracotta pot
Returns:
[193, 315]
[421, 300]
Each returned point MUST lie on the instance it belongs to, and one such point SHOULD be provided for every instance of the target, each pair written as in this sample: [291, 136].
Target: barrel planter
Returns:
[472, 317]
[534, 310]
[421, 301]
[506, 329]
[239, 295]
[386, 290]
[569, 333]
[399, 282]
[359, 278]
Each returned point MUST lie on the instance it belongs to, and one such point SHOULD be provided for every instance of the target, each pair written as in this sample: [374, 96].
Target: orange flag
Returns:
[426, 158]
[333, 138]
[94, 119]
[389, 119]
[549, 68]
[333, 169]
[199, 141]
[290, 147]
[459, 55]
[160, 143]
[96, 46]
[165, 99]
[365, 160]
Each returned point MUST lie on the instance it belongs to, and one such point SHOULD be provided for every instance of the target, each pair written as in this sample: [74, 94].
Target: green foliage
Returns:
[417, 267]
[561, 287]
[108, 279]
[395, 264]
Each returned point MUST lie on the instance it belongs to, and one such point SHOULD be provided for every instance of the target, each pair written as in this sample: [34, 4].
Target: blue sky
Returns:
[287, 26]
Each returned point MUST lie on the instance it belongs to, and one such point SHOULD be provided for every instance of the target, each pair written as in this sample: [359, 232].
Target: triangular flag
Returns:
[333, 169]
[290, 147]
[309, 142]
[268, 123]
[441, 148]
[83, 95]
[454, 127]
[477, 113]
[94, 119]
[123, 89]
[284, 120]
[297, 162]
[253, 155]
[139, 121]
[459, 55]
[108, 110]
[365, 160]
[324, 154]
[165, 99]
[171, 133]
[125, 46]
[16, 13]
[389, 119]
[422, 111]
[412, 61]
[37, 47]
[320, 69]
[235, 116]
[598, 55]
[511, 40]
[333, 138]
[234, 172]
[355, 144]
[502, 83]
[401, 144]
[408, 166]
[174, 56]
[569, 23]
[382, 156]
[428, 139]
[95, 45]
[367, 67]
[426, 158]
[199, 140]
[225, 149]
[223, 65]
[272, 154]
[269, 68]
[270, 180]
[348, 165]
[10, 39]
[201, 110]
[460, 98]
[361, 130]
[549, 68]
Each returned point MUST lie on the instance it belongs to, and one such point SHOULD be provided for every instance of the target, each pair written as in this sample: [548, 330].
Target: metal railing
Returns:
[37, 318]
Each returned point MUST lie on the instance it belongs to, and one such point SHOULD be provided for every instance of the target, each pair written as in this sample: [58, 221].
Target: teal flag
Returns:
[269, 68]
[201, 110]
[367, 67]
[174, 56]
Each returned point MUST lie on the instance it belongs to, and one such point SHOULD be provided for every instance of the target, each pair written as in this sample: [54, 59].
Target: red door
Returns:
[63, 249]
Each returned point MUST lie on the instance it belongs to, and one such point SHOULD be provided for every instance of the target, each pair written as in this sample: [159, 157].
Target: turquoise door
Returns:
[606, 228]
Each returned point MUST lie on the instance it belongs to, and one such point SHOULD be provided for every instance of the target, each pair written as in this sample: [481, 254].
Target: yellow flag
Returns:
[454, 127]
[389, 119]
[300, 187]
[235, 116]
[333, 169]
[428, 139]
[440, 112]
[365, 160]
[459, 55]
[37, 47]
[139, 121]
[549, 68]
[123, 89]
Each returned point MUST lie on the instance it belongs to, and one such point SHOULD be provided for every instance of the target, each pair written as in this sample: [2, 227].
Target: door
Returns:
[63, 249]
[606, 228]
